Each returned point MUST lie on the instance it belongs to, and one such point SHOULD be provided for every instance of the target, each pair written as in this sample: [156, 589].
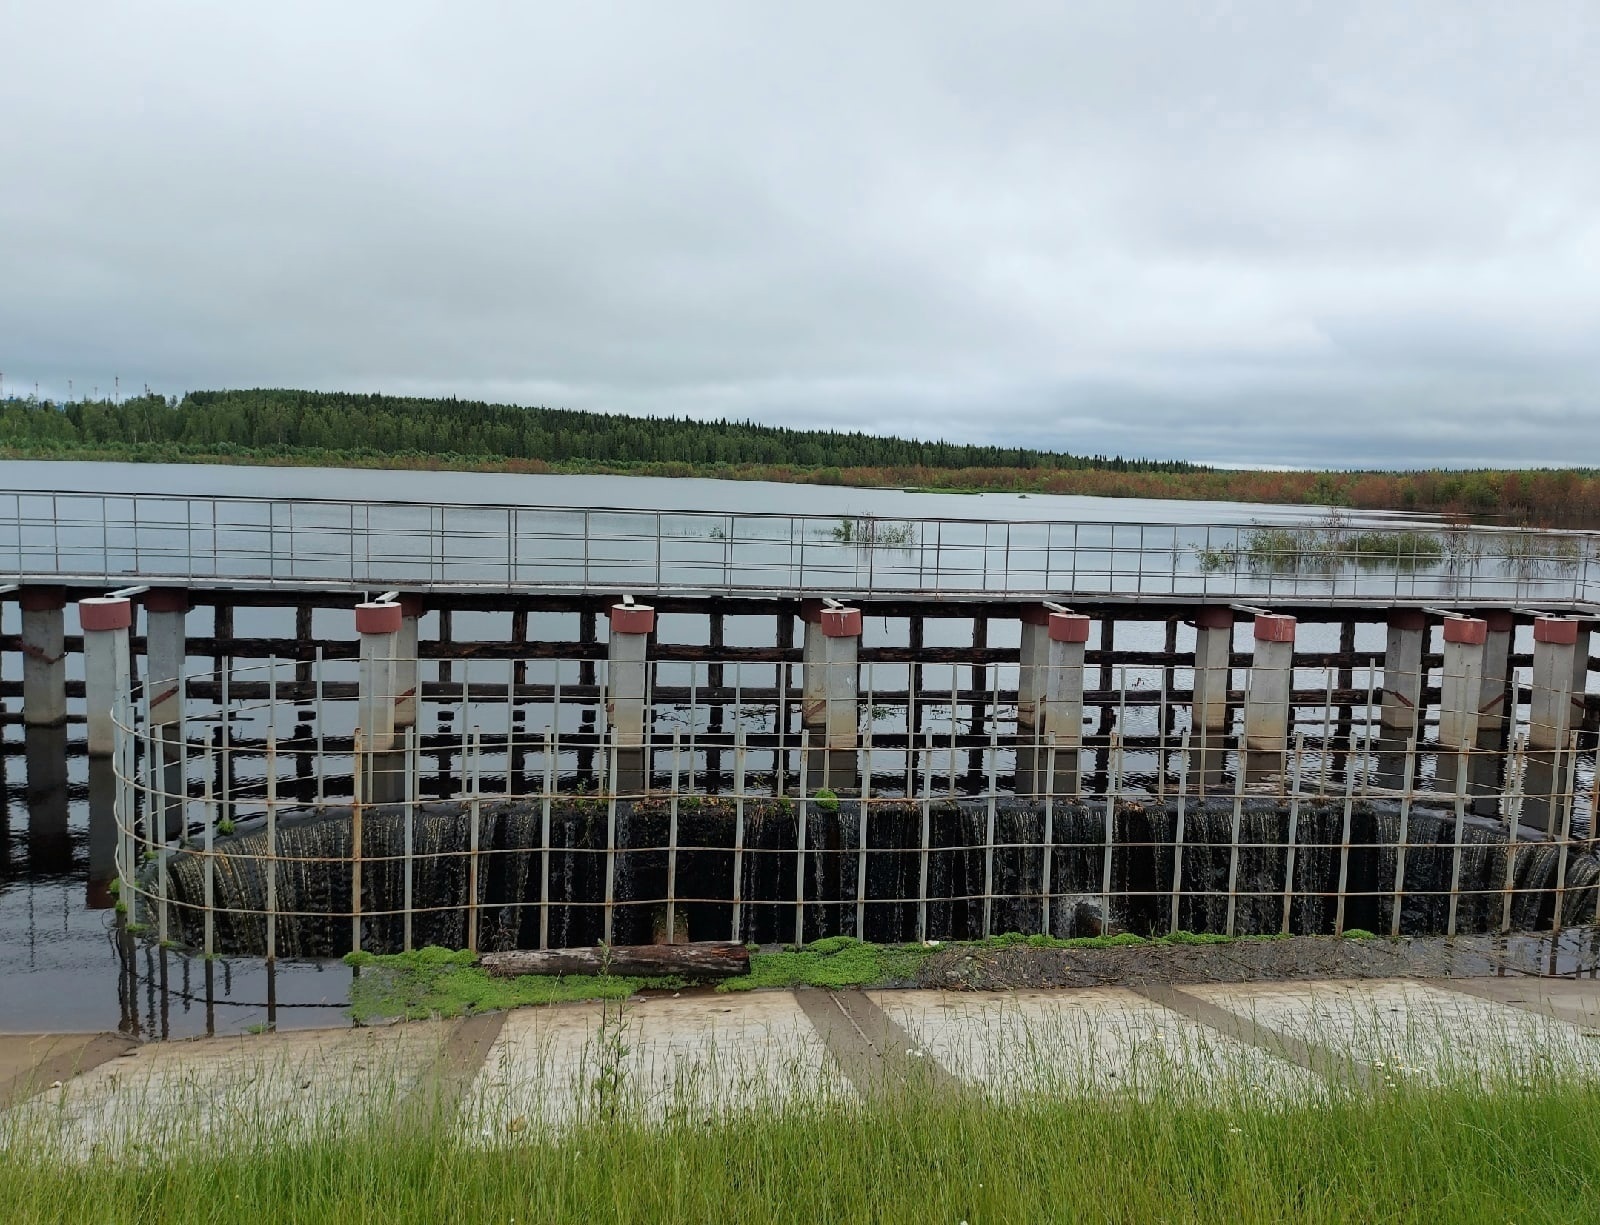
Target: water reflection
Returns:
[49, 841]
[171, 993]
[102, 833]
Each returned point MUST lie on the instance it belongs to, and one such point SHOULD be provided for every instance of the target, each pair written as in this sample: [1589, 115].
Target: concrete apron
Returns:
[538, 1071]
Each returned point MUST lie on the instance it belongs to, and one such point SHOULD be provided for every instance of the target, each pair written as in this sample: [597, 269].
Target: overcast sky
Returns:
[1305, 234]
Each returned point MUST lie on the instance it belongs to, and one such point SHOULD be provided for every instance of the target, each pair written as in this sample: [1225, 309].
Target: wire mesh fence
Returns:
[515, 816]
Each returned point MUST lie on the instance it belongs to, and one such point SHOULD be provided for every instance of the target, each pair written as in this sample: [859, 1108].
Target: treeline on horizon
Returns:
[333, 428]
[344, 421]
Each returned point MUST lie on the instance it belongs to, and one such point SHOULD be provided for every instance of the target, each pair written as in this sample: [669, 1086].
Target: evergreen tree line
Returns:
[277, 420]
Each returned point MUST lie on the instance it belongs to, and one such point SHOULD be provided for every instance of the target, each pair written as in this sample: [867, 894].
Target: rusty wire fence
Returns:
[511, 816]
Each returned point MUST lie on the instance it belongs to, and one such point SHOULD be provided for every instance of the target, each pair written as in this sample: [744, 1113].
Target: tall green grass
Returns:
[1528, 1152]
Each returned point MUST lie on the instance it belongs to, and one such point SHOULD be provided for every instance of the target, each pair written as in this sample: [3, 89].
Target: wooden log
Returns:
[707, 959]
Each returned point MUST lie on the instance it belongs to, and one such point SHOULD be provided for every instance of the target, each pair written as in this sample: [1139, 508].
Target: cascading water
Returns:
[963, 877]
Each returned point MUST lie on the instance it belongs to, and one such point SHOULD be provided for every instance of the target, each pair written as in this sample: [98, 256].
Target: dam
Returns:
[316, 726]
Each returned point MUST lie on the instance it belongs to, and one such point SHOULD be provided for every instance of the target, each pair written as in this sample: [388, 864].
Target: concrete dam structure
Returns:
[314, 727]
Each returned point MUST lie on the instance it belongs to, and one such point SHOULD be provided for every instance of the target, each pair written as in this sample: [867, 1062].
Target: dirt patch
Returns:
[1292, 958]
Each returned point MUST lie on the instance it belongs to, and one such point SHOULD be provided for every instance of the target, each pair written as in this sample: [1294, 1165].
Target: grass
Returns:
[1326, 545]
[875, 533]
[1522, 1152]
[440, 982]
[837, 961]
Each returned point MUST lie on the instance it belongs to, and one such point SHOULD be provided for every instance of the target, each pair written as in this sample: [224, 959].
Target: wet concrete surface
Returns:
[508, 1078]
[1574, 954]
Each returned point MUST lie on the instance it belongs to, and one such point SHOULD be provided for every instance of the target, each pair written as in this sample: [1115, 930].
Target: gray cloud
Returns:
[1357, 234]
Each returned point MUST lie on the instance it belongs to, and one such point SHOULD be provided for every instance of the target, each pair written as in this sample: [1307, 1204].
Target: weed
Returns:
[874, 533]
[442, 982]
[825, 800]
[837, 961]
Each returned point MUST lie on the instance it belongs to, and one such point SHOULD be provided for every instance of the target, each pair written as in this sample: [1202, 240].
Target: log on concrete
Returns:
[707, 959]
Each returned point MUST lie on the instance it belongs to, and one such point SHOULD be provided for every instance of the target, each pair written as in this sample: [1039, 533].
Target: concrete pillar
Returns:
[405, 667]
[1460, 694]
[1488, 764]
[1580, 678]
[166, 656]
[828, 688]
[832, 671]
[627, 691]
[107, 669]
[1208, 729]
[813, 698]
[44, 657]
[1400, 714]
[382, 768]
[1032, 661]
[1546, 787]
[1061, 702]
[1266, 708]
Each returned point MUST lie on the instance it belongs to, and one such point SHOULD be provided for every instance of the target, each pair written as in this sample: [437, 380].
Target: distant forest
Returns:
[340, 429]
[269, 420]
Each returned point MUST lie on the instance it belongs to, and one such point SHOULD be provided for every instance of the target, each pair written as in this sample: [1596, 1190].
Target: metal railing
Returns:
[47, 536]
[731, 820]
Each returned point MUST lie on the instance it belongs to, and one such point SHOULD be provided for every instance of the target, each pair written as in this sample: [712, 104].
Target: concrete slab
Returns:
[1094, 1040]
[1575, 1001]
[552, 1067]
[166, 1095]
[30, 1063]
[1408, 1029]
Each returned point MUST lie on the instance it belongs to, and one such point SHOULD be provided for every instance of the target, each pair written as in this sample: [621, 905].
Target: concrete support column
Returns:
[107, 669]
[382, 768]
[829, 684]
[166, 611]
[832, 717]
[1266, 708]
[1400, 714]
[1213, 674]
[44, 657]
[1546, 785]
[835, 670]
[1032, 661]
[1580, 678]
[813, 697]
[1488, 764]
[1061, 702]
[405, 666]
[1460, 693]
[627, 691]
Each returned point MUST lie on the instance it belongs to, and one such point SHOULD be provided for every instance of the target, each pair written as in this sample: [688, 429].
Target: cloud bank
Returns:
[1278, 233]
